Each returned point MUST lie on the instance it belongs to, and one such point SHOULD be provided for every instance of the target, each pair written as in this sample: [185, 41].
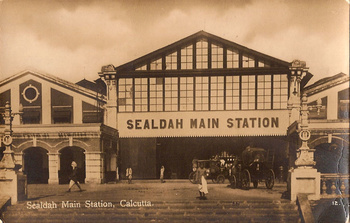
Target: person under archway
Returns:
[74, 177]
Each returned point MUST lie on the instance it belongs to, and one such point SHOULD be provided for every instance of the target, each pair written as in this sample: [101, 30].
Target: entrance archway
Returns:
[332, 158]
[68, 155]
[36, 165]
[176, 154]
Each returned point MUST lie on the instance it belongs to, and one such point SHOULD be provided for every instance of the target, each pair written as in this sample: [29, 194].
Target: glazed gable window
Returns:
[4, 97]
[186, 93]
[141, 94]
[125, 95]
[171, 94]
[187, 58]
[92, 113]
[156, 94]
[202, 94]
[343, 104]
[232, 92]
[280, 91]
[61, 107]
[202, 54]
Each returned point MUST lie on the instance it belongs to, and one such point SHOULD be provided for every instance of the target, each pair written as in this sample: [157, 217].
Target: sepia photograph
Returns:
[174, 111]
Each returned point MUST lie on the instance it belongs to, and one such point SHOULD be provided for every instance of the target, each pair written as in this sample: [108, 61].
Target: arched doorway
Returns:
[68, 155]
[332, 158]
[36, 165]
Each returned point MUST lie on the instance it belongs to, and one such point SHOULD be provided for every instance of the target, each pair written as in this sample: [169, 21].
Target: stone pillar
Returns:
[108, 74]
[304, 178]
[46, 104]
[94, 167]
[298, 70]
[54, 166]
[305, 181]
[78, 111]
[13, 184]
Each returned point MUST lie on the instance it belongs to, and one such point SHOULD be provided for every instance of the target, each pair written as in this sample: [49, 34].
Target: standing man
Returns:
[74, 177]
[162, 174]
[202, 174]
[129, 174]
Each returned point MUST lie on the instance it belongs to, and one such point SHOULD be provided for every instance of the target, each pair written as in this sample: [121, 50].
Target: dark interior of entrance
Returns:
[332, 158]
[36, 165]
[176, 154]
[68, 155]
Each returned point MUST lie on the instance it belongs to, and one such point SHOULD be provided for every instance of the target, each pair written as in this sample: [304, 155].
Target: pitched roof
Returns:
[52, 79]
[326, 83]
[157, 54]
[97, 86]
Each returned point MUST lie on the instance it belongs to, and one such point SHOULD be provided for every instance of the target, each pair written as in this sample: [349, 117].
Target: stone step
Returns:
[169, 211]
[168, 214]
[171, 218]
[189, 205]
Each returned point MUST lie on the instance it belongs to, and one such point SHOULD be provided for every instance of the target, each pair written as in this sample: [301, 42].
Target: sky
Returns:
[74, 39]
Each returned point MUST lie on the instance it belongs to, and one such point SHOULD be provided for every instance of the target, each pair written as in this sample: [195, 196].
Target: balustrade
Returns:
[334, 185]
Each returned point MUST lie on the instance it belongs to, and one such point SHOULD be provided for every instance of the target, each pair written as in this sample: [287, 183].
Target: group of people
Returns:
[128, 174]
[201, 178]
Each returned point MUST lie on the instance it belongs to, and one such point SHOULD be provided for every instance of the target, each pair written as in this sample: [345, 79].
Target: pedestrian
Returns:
[202, 174]
[74, 177]
[162, 174]
[129, 174]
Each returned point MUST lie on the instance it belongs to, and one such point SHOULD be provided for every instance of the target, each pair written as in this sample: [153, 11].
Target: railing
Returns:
[334, 185]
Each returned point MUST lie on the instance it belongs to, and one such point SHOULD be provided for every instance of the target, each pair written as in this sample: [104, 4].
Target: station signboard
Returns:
[202, 124]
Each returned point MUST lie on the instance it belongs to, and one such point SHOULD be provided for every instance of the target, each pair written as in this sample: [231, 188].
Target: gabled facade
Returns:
[60, 122]
[203, 87]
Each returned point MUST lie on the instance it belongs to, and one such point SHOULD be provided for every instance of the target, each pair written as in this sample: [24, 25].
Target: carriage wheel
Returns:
[214, 180]
[245, 180]
[270, 179]
[255, 183]
[233, 182]
[192, 177]
[220, 179]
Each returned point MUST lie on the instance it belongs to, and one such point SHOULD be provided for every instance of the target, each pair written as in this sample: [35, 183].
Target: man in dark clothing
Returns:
[74, 177]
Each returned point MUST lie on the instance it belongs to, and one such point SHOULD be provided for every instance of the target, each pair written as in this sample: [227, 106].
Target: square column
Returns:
[305, 181]
[13, 184]
[54, 166]
[94, 167]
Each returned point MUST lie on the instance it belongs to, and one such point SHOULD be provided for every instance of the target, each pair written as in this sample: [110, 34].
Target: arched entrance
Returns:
[332, 158]
[36, 165]
[68, 155]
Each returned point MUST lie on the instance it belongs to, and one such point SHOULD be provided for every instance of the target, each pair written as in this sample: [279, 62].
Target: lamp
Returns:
[7, 161]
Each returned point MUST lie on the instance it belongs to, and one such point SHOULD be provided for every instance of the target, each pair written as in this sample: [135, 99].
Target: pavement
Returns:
[149, 201]
[153, 190]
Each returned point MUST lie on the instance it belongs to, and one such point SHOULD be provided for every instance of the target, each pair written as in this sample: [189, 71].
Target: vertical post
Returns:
[304, 178]
[7, 161]
[13, 183]
[94, 167]
[108, 74]
[53, 167]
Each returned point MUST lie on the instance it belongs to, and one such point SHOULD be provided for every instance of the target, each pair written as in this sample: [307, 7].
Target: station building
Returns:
[61, 122]
[196, 98]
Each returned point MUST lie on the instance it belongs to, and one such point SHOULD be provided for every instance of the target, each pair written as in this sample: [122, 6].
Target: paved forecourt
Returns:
[150, 200]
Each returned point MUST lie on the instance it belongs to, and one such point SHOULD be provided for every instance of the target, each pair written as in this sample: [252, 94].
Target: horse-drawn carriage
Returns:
[252, 166]
[219, 168]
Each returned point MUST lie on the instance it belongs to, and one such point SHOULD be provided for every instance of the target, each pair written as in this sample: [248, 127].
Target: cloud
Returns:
[73, 39]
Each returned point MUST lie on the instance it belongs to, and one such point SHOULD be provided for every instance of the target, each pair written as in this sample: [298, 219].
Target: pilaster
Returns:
[54, 166]
[108, 74]
[94, 167]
